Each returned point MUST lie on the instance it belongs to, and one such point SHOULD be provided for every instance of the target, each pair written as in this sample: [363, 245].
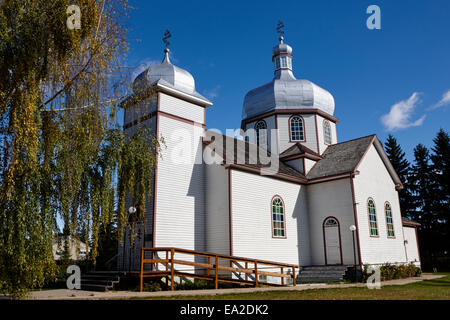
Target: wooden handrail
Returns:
[169, 264]
[222, 256]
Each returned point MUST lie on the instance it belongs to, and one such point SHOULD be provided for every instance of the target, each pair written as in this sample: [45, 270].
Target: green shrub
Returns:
[187, 284]
[390, 271]
[152, 286]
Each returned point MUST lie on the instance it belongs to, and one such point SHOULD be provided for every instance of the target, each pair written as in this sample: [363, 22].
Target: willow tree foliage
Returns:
[63, 155]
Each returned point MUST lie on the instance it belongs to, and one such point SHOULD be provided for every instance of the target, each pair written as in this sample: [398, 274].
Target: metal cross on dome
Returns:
[167, 35]
[280, 27]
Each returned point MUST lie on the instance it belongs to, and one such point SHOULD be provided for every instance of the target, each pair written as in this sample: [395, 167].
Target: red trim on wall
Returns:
[324, 241]
[278, 139]
[376, 216]
[290, 111]
[284, 217]
[182, 98]
[317, 134]
[303, 126]
[174, 117]
[365, 152]
[230, 210]
[139, 120]
[167, 115]
[355, 214]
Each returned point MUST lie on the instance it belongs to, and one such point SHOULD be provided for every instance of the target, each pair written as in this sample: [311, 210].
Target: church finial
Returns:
[280, 27]
[167, 35]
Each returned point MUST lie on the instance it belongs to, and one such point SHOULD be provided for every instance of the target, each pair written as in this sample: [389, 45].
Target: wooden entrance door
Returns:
[332, 241]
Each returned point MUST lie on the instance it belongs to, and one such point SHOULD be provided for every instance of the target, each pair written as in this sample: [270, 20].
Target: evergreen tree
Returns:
[424, 190]
[441, 169]
[402, 167]
[423, 187]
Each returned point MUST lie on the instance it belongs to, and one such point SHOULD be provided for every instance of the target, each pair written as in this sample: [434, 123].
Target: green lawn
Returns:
[437, 289]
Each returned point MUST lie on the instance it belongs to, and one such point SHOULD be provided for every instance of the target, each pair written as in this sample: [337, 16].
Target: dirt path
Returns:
[65, 294]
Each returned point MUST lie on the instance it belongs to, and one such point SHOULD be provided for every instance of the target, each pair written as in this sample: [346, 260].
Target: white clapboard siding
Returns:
[375, 182]
[217, 213]
[412, 249]
[180, 198]
[308, 165]
[272, 142]
[181, 108]
[145, 107]
[333, 198]
[252, 219]
[309, 130]
[128, 258]
[320, 133]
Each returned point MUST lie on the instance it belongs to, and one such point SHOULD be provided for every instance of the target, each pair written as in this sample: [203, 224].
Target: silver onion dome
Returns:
[285, 91]
[177, 77]
[169, 76]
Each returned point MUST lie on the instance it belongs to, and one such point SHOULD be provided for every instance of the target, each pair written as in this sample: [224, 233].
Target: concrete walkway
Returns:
[65, 294]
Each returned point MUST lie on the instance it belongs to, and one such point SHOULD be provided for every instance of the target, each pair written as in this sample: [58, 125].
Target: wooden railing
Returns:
[211, 266]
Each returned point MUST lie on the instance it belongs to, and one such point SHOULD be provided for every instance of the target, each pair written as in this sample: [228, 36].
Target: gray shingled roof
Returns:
[297, 149]
[340, 158]
[242, 148]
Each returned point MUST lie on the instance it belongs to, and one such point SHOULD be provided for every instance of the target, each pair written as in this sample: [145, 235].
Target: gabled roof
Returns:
[338, 159]
[299, 150]
[345, 157]
[251, 159]
[341, 158]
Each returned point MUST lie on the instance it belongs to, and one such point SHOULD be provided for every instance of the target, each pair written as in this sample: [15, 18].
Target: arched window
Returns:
[372, 218]
[389, 221]
[330, 222]
[278, 221]
[327, 132]
[261, 133]
[297, 130]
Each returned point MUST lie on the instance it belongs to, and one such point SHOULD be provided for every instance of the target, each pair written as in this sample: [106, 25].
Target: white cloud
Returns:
[443, 102]
[212, 93]
[142, 66]
[400, 114]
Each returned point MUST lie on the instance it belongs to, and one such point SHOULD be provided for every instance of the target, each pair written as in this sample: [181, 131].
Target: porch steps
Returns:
[321, 274]
[100, 280]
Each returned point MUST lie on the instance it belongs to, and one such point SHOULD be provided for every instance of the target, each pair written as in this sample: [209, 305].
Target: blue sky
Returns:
[227, 46]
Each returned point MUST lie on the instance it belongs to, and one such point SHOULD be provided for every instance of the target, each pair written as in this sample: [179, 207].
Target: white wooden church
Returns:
[300, 213]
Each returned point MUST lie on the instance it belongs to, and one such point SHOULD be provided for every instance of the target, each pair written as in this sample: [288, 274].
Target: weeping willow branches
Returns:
[65, 163]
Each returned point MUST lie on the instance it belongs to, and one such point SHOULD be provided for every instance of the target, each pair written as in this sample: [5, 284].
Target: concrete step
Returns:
[317, 280]
[325, 268]
[321, 274]
[323, 271]
[99, 281]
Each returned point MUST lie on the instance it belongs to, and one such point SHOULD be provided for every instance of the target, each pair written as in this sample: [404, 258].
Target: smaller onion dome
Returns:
[179, 78]
[281, 48]
[285, 91]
